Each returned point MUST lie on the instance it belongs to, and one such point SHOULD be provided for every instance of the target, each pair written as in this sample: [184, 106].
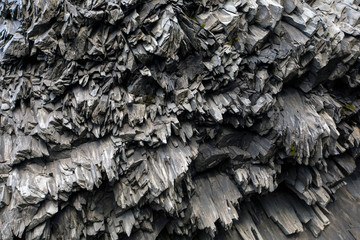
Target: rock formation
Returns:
[179, 119]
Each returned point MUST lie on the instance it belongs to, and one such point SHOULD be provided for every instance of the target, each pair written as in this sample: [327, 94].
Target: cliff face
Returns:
[129, 119]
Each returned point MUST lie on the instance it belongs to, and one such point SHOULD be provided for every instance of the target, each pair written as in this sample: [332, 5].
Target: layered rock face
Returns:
[165, 119]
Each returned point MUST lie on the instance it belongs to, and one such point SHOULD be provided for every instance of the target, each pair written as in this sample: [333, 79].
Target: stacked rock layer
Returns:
[130, 119]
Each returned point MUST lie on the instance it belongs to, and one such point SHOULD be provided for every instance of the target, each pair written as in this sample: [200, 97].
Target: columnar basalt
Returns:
[165, 119]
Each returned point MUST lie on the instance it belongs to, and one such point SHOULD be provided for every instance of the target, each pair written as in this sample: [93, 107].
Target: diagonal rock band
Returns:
[164, 119]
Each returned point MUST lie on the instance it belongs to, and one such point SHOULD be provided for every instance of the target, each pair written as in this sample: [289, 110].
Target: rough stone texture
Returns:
[129, 119]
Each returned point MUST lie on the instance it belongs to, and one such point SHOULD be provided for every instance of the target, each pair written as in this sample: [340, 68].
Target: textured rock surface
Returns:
[183, 119]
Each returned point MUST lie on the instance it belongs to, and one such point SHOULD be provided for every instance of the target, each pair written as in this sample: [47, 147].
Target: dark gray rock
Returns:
[179, 119]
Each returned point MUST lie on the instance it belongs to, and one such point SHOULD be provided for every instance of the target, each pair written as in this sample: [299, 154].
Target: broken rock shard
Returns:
[126, 119]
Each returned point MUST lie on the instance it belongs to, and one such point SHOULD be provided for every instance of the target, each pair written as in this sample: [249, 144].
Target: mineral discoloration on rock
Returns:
[176, 119]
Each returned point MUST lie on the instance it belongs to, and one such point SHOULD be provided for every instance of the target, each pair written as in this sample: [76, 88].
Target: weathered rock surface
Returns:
[183, 119]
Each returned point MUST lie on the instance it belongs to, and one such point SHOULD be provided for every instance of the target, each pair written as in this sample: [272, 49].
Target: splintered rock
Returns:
[184, 119]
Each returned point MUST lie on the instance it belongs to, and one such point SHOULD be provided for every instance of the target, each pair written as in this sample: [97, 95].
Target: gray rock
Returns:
[178, 119]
